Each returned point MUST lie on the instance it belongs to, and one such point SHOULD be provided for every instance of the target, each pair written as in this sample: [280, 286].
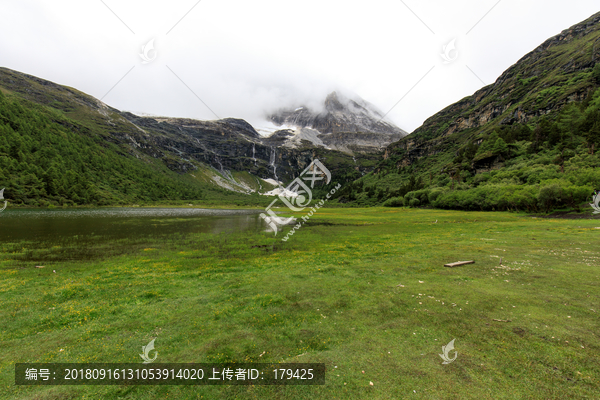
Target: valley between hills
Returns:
[528, 142]
[125, 232]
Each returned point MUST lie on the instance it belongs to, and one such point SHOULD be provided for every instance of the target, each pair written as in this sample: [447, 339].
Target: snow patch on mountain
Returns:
[308, 134]
[272, 181]
[281, 192]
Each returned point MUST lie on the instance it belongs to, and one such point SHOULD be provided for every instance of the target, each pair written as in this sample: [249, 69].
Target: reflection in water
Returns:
[83, 234]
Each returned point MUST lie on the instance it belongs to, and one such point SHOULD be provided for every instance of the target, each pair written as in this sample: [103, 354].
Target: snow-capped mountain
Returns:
[343, 123]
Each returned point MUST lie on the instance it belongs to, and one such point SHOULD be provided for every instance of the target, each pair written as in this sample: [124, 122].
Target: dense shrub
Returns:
[550, 196]
[421, 195]
[545, 197]
[414, 202]
[434, 194]
[394, 202]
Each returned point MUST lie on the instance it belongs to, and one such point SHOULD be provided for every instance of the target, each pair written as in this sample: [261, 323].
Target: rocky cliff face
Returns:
[542, 82]
[225, 147]
[344, 123]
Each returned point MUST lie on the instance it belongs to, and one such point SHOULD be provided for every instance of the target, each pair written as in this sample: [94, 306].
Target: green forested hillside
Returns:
[48, 159]
[552, 164]
[528, 142]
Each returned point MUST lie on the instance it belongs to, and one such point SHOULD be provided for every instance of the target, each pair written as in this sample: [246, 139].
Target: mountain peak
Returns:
[332, 101]
[339, 113]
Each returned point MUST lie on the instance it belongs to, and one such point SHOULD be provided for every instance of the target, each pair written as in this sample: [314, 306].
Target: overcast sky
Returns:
[240, 58]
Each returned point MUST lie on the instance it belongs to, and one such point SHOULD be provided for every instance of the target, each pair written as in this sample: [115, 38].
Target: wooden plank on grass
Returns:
[458, 263]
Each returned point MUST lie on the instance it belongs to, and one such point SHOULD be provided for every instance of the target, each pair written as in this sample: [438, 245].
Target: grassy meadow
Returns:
[363, 291]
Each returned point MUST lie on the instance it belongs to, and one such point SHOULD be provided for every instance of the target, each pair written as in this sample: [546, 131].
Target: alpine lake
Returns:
[87, 234]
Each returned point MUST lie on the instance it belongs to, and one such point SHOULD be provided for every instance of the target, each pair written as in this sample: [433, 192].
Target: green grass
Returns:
[360, 290]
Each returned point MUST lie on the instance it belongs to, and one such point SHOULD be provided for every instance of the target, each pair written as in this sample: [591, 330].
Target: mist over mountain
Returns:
[342, 122]
[338, 113]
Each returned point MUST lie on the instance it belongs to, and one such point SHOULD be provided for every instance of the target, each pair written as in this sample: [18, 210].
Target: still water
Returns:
[45, 235]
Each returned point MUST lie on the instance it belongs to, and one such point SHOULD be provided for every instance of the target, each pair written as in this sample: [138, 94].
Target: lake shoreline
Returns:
[160, 205]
